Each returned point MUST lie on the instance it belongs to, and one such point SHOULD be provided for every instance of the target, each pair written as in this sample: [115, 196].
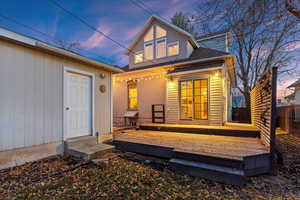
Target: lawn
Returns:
[123, 178]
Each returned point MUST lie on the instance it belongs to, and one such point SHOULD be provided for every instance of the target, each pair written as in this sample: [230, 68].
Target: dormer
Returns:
[159, 42]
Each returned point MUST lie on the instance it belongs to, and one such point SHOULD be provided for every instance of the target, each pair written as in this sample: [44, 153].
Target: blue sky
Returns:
[120, 19]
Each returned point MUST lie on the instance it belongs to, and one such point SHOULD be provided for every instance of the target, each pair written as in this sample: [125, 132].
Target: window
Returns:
[138, 57]
[194, 99]
[132, 95]
[149, 35]
[160, 48]
[160, 32]
[148, 47]
[173, 49]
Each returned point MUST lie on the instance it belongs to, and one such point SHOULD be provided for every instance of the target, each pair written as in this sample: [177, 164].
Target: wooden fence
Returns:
[289, 119]
[263, 107]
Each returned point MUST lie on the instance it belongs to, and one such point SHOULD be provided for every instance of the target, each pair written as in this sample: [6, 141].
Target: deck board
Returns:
[224, 146]
[227, 126]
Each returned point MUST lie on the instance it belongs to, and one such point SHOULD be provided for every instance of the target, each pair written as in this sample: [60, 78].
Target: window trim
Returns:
[156, 47]
[173, 43]
[145, 43]
[129, 85]
[136, 53]
[207, 104]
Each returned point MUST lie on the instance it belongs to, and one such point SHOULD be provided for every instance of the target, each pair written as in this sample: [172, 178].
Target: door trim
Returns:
[86, 73]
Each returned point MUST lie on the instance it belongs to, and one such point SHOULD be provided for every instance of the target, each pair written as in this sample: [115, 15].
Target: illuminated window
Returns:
[149, 35]
[132, 95]
[194, 99]
[148, 47]
[139, 57]
[173, 48]
[160, 32]
[160, 48]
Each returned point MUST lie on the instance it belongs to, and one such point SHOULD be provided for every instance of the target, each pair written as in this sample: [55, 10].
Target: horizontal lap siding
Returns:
[262, 106]
[31, 100]
[216, 104]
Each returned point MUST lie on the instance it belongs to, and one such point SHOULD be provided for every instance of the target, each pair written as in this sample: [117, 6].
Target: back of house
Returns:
[173, 77]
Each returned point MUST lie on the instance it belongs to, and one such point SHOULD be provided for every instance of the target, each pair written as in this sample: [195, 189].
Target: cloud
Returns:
[292, 46]
[96, 39]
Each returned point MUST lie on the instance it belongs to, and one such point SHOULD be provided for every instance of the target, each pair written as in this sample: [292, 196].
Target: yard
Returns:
[129, 177]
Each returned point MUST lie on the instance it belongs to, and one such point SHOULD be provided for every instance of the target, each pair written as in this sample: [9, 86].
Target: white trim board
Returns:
[90, 74]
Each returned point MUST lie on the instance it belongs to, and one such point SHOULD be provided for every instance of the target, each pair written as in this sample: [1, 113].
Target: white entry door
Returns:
[78, 105]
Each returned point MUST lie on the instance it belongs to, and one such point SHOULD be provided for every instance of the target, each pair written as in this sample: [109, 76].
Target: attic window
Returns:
[173, 48]
[160, 32]
[149, 35]
[148, 48]
[138, 57]
[160, 48]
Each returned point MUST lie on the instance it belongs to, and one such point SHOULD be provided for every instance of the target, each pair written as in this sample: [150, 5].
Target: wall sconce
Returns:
[217, 74]
[171, 78]
[102, 75]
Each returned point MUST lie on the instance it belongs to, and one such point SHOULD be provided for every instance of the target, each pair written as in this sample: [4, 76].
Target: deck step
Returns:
[208, 171]
[206, 131]
[210, 158]
[86, 147]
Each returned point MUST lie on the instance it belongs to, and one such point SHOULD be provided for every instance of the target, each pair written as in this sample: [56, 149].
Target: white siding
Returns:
[31, 102]
[216, 102]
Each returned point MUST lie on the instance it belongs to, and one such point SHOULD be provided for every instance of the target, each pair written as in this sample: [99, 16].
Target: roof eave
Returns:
[34, 43]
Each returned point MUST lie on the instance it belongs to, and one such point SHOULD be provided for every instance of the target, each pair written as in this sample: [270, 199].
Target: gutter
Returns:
[195, 71]
[34, 43]
[178, 64]
[76, 56]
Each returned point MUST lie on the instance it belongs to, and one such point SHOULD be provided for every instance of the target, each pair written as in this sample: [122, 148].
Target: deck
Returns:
[220, 158]
[223, 146]
[229, 129]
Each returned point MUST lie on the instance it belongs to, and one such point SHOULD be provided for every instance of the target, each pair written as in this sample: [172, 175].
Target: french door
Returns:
[194, 99]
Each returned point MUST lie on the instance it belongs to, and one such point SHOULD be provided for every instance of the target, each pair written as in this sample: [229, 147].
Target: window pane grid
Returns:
[194, 99]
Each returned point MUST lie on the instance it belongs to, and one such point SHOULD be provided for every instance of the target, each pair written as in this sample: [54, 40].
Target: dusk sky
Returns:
[120, 19]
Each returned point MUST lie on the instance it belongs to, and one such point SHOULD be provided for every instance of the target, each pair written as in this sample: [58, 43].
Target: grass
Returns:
[120, 178]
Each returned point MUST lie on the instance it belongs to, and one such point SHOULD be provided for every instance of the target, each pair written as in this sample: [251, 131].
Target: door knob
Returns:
[67, 108]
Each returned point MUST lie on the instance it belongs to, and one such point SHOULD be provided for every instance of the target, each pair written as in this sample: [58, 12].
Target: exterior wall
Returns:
[216, 104]
[297, 102]
[31, 103]
[172, 36]
[297, 95]
[217, 43]
[149, 92]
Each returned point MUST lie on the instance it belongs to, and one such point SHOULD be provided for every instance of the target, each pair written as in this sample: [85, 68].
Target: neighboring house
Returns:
[296, 97]
[49, 95]
[168, 66]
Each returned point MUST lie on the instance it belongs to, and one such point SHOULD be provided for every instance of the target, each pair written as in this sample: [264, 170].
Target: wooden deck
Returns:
[218, 158]
[229, 129]
[223, 146]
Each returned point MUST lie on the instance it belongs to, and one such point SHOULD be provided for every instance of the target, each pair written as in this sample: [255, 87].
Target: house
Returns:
[48, 95]
[296, 98]
[169, 69]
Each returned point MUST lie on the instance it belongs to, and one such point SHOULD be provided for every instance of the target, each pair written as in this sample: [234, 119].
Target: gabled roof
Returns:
[297, 83]
[199, 54]
[37, 44]
[148, 24]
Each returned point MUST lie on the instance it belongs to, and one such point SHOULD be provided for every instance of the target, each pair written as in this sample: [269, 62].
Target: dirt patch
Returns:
[136, 177]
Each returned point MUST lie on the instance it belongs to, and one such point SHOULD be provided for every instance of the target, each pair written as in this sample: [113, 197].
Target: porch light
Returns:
[217, 74]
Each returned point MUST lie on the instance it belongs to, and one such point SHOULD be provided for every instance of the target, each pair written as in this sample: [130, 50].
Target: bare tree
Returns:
[293, 6]
[183, 21]
[70, 46]
[262, 32]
